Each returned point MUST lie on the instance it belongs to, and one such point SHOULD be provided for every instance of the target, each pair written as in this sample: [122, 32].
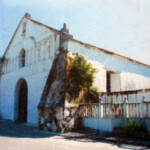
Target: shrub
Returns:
[81, 78]
[132, 129]
[135, 125]
[92, 95]
[83, 72]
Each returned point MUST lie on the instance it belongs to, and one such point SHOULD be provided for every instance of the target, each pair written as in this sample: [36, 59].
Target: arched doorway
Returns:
[21, 102]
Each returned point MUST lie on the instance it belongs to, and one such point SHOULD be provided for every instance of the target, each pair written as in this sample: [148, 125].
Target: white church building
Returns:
[28, 59]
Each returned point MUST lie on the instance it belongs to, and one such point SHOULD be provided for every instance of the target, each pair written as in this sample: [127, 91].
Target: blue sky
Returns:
[122, 26]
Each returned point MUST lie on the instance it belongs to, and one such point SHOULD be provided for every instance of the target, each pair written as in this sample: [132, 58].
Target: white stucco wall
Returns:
[100, 76]
[39, 60]
[132, 81]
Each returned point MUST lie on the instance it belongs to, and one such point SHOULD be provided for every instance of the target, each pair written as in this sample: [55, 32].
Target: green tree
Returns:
[82, 78]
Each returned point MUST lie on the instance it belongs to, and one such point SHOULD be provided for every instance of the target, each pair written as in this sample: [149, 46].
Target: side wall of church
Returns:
[124, 74]
[40, 45]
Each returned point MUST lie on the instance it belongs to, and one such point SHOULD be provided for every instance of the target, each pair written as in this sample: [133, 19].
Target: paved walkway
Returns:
[16, 136]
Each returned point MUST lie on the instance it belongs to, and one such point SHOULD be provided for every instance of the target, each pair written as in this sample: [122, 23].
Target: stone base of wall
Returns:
[59, 119]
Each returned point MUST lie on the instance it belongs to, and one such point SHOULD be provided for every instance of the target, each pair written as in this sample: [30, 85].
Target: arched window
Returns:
[24, 28]
[22, 58]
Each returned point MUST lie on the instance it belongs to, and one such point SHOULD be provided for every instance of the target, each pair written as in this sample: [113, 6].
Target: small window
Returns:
[108, 82]
[49, 51]
[24, 28]
[22, 58]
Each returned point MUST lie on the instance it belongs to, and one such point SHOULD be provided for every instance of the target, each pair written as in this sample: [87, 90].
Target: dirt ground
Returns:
[16, 136]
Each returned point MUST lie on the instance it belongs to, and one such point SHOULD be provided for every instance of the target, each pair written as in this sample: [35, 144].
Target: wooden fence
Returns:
[118, 110]
[88, 111]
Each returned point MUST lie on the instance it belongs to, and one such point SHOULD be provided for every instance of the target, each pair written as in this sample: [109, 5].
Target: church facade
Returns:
[28, 59]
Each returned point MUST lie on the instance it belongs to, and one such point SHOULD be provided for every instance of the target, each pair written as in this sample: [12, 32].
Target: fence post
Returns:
[125, 108]
[143, 109]
[100, 110]
[100, 115]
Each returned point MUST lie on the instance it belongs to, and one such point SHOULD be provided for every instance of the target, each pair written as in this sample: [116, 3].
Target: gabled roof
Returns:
[18, 29]
[85, 44]
[13, 37]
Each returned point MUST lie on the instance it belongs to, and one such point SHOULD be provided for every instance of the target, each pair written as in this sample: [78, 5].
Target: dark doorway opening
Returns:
[108, 82]
[23, 102]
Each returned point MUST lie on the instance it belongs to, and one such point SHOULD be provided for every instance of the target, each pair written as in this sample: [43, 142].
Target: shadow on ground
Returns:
[20, 130]
[119, 145]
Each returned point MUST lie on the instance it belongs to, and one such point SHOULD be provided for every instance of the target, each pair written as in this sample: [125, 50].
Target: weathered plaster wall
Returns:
[132, 81]
[59, 119]
[102, 124]
[53, 115]
[129, 75]
[100, 76]
[130, 96]
[106, 123]
[40, 44]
